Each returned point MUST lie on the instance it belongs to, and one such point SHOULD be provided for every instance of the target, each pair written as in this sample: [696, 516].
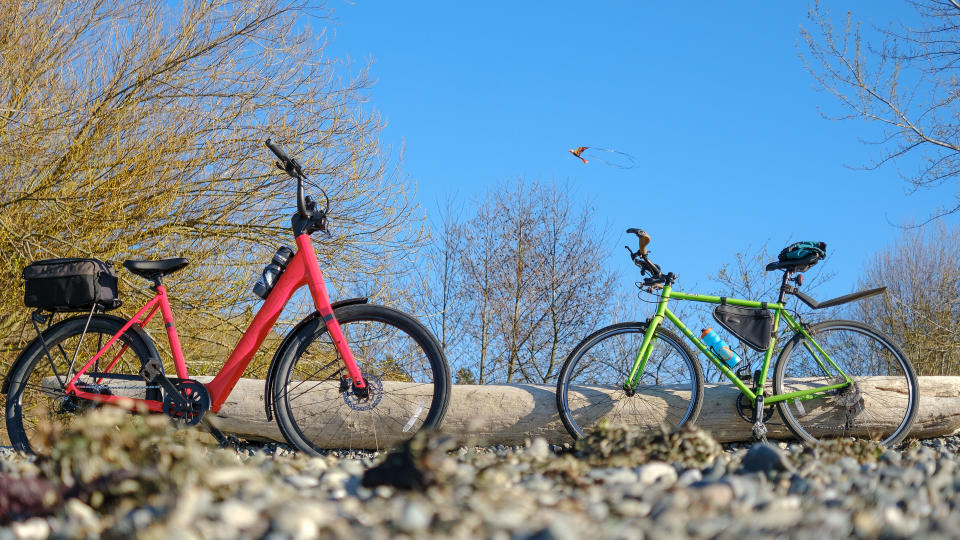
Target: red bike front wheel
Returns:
[408, 382]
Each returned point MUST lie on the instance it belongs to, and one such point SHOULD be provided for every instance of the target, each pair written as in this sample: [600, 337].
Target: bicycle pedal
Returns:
[760, 432]
[152, 369]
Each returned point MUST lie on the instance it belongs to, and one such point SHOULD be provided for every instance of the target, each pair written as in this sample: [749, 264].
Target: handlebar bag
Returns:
[752, 326]
[70, 285]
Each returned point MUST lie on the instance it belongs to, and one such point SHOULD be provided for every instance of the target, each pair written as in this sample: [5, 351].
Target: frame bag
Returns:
[70, 285]
[752, 326]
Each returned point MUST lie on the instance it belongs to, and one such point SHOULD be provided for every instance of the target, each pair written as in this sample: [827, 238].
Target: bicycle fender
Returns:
[288, 342]
[139, 332]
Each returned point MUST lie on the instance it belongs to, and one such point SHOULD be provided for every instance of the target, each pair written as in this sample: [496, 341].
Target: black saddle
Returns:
[795, 265]
[152, 269]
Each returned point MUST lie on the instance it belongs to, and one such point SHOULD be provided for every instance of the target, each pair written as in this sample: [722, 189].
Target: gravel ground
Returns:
[157, 484]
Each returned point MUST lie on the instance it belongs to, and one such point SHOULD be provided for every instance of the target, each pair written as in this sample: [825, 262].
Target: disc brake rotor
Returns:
[372, 399]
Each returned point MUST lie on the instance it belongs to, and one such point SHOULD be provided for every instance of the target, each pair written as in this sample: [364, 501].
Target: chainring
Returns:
[374, 394]
[745, 409]
[198, 402]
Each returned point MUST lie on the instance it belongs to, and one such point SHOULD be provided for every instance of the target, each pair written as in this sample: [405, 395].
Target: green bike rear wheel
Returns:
[882, 402]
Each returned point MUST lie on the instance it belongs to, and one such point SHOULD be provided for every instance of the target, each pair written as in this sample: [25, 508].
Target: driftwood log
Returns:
[509, 414]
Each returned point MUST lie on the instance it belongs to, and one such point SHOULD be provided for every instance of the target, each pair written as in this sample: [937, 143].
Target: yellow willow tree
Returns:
[136, 129]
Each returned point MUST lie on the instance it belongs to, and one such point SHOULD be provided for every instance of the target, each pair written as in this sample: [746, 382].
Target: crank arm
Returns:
[152, 372]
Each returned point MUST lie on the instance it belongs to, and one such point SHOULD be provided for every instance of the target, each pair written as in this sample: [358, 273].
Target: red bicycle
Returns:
[349, 369]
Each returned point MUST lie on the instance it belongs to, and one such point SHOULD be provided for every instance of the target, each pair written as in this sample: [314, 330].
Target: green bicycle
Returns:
[834, 378]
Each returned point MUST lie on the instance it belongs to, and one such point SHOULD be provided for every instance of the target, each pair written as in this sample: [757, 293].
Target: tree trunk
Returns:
[510, 413]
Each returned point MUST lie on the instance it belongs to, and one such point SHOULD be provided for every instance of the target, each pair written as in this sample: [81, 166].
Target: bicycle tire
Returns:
[44, 400]
[853, 405]
[398, 392]
[643, 415]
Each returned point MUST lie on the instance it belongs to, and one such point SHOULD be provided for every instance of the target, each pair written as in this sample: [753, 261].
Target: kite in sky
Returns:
[579, 151]
[613, 158]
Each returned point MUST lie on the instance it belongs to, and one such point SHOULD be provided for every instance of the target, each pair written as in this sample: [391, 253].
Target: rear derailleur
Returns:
[72, 404]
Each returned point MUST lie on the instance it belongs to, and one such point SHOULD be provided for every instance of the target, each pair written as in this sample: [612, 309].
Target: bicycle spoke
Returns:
[867, 408]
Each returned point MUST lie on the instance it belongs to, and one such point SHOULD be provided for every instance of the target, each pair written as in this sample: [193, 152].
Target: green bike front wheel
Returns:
[590, 384]
[881, 402]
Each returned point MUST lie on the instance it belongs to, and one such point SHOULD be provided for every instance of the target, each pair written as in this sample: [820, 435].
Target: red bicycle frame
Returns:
[302, 269]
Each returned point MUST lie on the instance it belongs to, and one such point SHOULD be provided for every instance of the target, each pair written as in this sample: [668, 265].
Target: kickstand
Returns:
[223, 440]
[759, 429]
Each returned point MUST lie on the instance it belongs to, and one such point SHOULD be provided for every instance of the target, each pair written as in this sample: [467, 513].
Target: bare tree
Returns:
[135, 129]
[921, 308]
[902, 79]
[481, 264]
[534, 282]
[516, 298]
[443, 282]
[574, 276]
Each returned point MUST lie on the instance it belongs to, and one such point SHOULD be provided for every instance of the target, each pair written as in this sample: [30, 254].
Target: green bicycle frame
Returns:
[779, 312]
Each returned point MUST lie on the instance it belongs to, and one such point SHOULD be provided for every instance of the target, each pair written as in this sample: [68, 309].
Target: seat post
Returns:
[783, 286]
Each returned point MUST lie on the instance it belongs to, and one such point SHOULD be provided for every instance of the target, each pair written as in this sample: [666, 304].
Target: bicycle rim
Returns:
[36, 402]
[880, 404]
[406, 379]
[590, 387]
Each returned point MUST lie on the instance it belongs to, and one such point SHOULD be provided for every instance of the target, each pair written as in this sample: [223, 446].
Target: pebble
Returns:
[534, 491]
[539, 449]
[31, 529]
[657, 471]
[614, 475]
[765, 458]
[415, 518]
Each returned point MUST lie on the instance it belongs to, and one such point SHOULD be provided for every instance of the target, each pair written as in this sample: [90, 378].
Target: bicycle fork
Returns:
[321, 301]
[649, 340]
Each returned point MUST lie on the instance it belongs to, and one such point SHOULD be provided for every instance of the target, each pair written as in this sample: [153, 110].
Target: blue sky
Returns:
[711, 99]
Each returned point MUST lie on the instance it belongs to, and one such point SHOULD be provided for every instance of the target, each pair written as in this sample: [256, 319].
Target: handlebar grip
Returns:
[642, 237]
[644, 240]
[277, 152]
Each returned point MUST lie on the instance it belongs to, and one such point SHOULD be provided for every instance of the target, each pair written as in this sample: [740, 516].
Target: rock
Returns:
[866, 525]
[415, 518]
[31, 529]
[538, 449]
[632, 508]
[26, 496]
[238, 515]
[765, 458]
[713, 493]
[799, 486]
[83, 515]
[559, 529]
[301, 519]
[420, 462]
[689, 476]
[613, 475]
[302, 482]
[657, 471]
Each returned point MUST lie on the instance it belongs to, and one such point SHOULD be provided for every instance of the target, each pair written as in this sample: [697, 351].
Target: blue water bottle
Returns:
[719, 347]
